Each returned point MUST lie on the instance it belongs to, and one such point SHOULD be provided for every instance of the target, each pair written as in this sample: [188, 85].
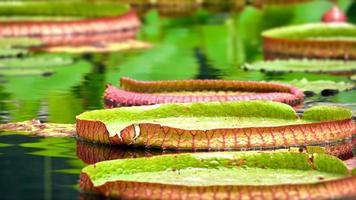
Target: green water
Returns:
[195, 47]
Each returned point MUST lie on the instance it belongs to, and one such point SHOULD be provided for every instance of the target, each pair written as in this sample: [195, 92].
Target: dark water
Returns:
[203, 46]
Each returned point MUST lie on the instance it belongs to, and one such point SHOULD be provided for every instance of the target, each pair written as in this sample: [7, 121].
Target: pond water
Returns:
[202, 46]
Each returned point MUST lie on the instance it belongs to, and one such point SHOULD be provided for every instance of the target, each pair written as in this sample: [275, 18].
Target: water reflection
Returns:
[93, 153]
[203, 46]
[30, 172]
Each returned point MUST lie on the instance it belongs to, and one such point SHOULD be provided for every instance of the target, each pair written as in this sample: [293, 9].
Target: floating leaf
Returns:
[11, 52]
[19, 42]
[26, 72]
[220, 126]
[236, 175]
[319, 85]
[37, 61]
[100, 48]
[294, 65]
[62, 8]
[135, 92]
[35, 127]
[353, 77]
[319, 40]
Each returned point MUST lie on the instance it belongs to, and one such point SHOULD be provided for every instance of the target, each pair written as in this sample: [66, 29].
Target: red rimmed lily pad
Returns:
[272, 175]
[319, 40]
[219, 126]
[135, 93]
[71, 31]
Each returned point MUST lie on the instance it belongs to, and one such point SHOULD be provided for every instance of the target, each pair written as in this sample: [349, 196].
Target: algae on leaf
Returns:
[171, 114]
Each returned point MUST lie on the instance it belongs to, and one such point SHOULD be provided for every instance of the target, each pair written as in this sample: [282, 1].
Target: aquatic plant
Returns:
[220, 126]
[16, 47]
[323, 87]
[157, 92]
[353, 77]
[73, 8]
[269, 175]
[99, 47]
[304, 65]
[173, 8]
[318, 40]
[35, 127]
[60, 32]
[41, 64]
[9, 52]
[19, 42]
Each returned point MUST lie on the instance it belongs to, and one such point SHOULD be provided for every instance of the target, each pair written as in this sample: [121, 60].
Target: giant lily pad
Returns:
[272, 175]
[37, 61]
[353, 77]
[218, 126]
[320, 40]
[157, 92]
[320, 86]
[294, 65]
[74, 8]
[34, 65]
[62, 32]
[19, 42]
[10, 52]
[15, 47]
[100, 48]
[187, 7]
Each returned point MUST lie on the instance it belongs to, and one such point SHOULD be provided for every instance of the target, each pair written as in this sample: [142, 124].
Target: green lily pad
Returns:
[216, 126]
[34, 65]
[320, 85]
[318, 31]
[11, 52]
[353, 77]
[102, 48]
[237, 175]
[62, 8]
[319, 40]
[294, 65]
[19, 42]
[37, 61]
[26, 72]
